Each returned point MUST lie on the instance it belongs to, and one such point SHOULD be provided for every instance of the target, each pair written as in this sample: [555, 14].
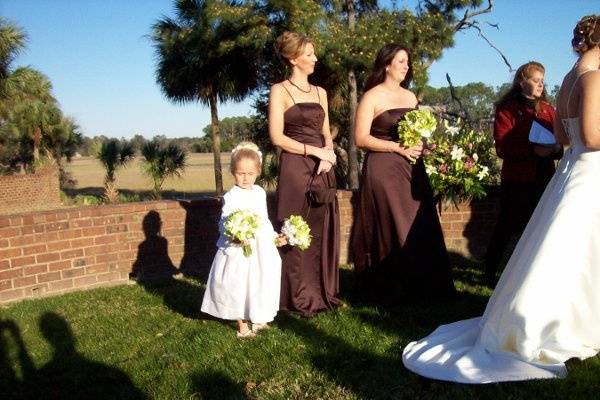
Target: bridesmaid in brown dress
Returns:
[398, 245]
[299, 126]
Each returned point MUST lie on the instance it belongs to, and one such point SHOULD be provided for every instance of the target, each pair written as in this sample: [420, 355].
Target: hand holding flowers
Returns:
[240, 227]
[413, 129]
[297, 232]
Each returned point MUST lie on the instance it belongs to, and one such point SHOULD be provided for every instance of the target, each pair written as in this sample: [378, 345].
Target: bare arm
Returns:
[559, 131]
[365, 113]
[277, 107]
[589, 110]
[324, 165]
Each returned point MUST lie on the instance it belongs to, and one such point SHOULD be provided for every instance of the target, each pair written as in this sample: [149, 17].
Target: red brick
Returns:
[81, 223]
[10, 253]
[70, 234]
[117, 228]
[59, 265]
[83, 242]
[11, 273]
[4, 222]
[63, 244]
[74, 214]
[81, 262]
[26, 281]
[72, 273]
[104, 258]
[4, 264]
[71, 254]
[5, 285]
[45, 237]
[38, 248]
[19, 262]
[9, 232]
[21, 240]
[60, 285]
[35, 291]
[84, 281]
[57, 226]
[36, 269]
[28, 230]
[4, 243]
[50, 276]
[109, 276]
[92, 251]
[105, 239]
[96, 269]
[94, 231]
[11, 295]
[106, 220]
[46, 257]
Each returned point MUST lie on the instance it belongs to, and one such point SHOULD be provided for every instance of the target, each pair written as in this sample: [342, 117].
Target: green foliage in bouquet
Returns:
[460, 162]
[416, 126]
[240, 227]
[297, 232]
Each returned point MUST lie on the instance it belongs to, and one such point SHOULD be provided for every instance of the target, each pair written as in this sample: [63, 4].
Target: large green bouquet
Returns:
[297, 232]
[415, 126]
[240, 227]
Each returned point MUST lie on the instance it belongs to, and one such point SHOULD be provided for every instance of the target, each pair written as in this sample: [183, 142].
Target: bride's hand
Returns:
[412, 153]
[324, 166]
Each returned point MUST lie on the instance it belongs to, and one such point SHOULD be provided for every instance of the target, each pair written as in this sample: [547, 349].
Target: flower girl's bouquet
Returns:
[240, 227]
[297, 232]
[416, 126]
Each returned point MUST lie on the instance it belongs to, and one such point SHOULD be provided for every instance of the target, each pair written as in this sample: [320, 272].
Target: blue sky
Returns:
[101, 63]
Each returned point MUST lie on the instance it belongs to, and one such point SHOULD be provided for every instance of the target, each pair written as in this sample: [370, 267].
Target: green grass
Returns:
[133, 341]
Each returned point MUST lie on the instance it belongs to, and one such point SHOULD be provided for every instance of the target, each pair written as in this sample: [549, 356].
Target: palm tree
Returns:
[12, 42]
[208, 53]
[161, 162]
[61, 141]
[113, 154]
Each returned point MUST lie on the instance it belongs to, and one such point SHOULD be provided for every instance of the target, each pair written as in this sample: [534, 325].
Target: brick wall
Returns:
[29, 192]
[52, 252]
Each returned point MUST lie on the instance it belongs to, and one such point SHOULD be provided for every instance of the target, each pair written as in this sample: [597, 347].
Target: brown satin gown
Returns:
[397, 241]
[309, 279]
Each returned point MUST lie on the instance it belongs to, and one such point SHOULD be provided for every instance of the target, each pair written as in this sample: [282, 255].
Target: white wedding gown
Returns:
[546, 306]
[240, 287]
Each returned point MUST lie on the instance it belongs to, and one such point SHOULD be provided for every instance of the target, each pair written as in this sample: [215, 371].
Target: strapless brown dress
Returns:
[309, 279]
[397, 241]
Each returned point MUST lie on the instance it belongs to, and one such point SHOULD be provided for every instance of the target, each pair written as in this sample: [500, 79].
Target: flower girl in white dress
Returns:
[245, 287]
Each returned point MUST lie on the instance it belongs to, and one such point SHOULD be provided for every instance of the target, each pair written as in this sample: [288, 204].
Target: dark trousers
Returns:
[517, 203]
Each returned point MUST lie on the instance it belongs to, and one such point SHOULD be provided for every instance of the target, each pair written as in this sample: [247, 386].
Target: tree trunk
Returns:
[37, 140]
[216, 143]
[352, 152]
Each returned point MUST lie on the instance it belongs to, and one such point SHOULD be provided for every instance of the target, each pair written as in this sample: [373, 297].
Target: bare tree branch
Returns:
[468, 15]
[456, 99]
[474, 25]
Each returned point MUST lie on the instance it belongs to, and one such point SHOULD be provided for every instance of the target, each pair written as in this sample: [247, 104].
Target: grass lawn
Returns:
[134, 342]
[197, 178]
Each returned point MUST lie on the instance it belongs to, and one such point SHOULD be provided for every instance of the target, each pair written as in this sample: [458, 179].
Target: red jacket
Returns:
[511, 132]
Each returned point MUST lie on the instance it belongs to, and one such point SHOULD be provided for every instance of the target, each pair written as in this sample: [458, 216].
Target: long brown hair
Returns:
[384, 58]
[523, 73]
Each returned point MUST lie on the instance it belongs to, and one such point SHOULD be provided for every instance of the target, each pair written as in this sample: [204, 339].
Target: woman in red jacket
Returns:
[526, 167]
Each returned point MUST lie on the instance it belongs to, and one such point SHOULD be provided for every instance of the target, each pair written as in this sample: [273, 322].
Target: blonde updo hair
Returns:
[245, 150]
[586, 34]
[290, 45]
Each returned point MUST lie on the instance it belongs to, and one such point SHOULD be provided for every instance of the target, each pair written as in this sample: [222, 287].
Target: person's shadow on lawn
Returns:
[68, 375]
[154, 271]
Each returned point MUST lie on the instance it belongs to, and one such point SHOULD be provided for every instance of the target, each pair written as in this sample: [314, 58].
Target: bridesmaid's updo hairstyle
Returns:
[290, 45]
[245, 150]
[384, 58]
[586, 34]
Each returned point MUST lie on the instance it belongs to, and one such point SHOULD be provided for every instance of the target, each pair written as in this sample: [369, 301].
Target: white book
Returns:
[540, 135]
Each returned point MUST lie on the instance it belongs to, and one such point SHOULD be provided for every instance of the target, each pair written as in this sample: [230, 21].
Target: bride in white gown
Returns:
[546, 306]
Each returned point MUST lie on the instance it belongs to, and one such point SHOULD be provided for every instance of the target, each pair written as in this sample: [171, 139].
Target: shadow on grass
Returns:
[216, 385]
[68, 375]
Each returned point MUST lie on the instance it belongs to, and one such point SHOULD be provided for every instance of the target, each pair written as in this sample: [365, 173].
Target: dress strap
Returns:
[318, 95]
[573, 87]
[288, 92]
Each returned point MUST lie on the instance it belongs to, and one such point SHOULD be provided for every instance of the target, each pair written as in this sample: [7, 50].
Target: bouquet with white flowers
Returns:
[459, 162]
[297, 232]
[416, 126]
[240, 227]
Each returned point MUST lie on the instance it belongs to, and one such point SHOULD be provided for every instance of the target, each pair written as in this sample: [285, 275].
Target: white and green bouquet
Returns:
[297, 232]
[459, 162]
[240, 227]
[415, 126]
